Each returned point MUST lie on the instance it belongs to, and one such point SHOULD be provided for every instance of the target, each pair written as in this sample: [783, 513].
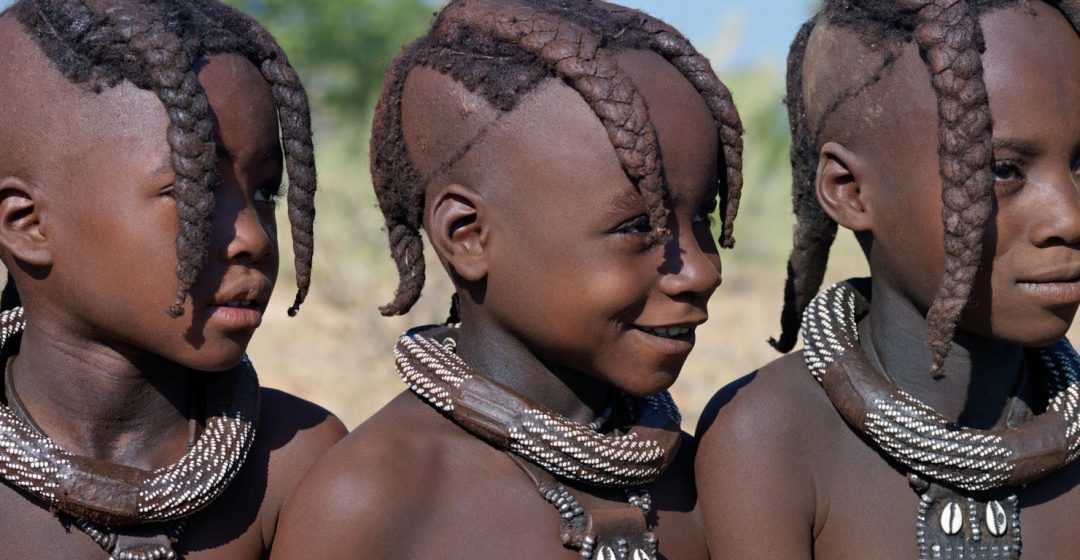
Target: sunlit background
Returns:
[337, 352]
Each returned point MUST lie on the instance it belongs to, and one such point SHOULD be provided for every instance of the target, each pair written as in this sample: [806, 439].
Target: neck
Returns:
[100, 401]
[503, 357]
[980, 374]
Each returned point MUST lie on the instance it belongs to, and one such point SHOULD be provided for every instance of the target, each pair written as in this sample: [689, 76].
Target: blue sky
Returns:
[733, 32]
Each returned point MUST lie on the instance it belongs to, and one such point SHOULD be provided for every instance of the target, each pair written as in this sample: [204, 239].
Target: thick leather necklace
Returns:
[107, 498]
[965, 477]
[545, 444]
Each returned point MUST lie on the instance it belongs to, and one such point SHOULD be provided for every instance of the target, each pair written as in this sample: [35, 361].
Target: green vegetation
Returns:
[341, 47]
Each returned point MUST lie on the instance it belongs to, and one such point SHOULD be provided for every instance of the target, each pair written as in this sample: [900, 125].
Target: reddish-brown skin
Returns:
[88, 228]
[780, 474]
[544, 235]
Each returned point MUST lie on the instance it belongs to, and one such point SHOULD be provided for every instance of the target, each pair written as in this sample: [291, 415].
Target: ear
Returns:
[839, 187]
[21, 234]
[457, 230]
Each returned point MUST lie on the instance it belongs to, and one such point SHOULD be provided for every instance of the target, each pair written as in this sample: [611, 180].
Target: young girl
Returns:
[933, 412]
[563, 157]
[139, 166]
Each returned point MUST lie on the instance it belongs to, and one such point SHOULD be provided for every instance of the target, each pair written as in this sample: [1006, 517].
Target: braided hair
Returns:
[950, 40]
[156, 44]
[501, 50]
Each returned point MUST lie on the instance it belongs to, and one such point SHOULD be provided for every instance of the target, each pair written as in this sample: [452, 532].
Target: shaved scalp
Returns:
[93, 46]
[835, 62]
[501, 50]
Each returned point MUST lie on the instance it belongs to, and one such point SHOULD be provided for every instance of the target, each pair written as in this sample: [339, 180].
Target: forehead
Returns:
[51, 124]
[552, 146]
[1032, 53]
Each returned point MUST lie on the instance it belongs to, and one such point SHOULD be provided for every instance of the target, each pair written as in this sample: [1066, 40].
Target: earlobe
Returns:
[458, 231]
[839, 187]
[21, 234]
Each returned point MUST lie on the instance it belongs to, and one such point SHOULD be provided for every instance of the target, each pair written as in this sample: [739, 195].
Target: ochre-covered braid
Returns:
[672, 45]
[949, 34]
[947, 31]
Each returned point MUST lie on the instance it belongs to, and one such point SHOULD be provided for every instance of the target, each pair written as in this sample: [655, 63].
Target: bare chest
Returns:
[868, 510]
[505, 516]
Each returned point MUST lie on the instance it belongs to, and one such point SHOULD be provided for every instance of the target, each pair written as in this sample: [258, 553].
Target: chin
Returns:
[214, 360]
[647, 384]
[1039, 333]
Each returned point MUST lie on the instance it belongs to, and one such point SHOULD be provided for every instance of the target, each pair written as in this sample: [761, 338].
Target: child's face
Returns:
[114, 224]
[1029, 286]
[570, 273]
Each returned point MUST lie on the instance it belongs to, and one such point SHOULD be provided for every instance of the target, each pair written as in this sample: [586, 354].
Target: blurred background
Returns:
[338, 351]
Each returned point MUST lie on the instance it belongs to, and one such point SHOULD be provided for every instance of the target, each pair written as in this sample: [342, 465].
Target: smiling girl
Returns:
[564, 158]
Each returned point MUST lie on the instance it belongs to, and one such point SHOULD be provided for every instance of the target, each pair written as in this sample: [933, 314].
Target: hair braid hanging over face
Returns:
[672, 45]
[947, 33]
[529, 40]
[155, 44]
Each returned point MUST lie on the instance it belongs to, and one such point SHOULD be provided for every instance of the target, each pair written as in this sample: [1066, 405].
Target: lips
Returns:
[1059, 286]
[240, 305]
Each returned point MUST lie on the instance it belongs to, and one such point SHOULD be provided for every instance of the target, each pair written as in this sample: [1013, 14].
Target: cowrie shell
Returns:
[996, 520]
[640, 555]
[952, 519]
[605, 553]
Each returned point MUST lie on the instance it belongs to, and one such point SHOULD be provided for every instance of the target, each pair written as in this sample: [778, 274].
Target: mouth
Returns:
[1054, 293]
[677, 339]
[667, 332]
[241, 306]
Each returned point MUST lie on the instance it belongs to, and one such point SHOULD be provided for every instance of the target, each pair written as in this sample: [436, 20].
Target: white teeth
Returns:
[667, 332]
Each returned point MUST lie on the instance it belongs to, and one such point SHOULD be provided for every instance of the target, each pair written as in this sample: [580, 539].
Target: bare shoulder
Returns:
[761, 440]
[775, 406]
[297, 431]
[371, 488]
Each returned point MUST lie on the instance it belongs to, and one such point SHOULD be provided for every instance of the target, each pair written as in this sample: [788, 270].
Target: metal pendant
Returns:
[954, 526]
[153, 542]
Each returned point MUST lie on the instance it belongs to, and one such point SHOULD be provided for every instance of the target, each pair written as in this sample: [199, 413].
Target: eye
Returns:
[1008, 170]
[268, 193]
[638, 225]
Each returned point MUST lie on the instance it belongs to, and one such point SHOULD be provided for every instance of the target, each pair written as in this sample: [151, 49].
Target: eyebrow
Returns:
[165, 167]
[626, 202]
[1023, 147]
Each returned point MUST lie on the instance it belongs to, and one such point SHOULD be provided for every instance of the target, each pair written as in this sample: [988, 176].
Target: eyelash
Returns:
[638, 225]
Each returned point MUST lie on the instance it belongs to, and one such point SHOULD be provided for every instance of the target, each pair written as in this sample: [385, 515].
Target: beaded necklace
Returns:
[546, 445]
[965, 477]
[129, 511]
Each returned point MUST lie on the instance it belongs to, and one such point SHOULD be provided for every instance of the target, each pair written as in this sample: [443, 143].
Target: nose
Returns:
[1059, 212]
[249, 236]
[691, 267]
